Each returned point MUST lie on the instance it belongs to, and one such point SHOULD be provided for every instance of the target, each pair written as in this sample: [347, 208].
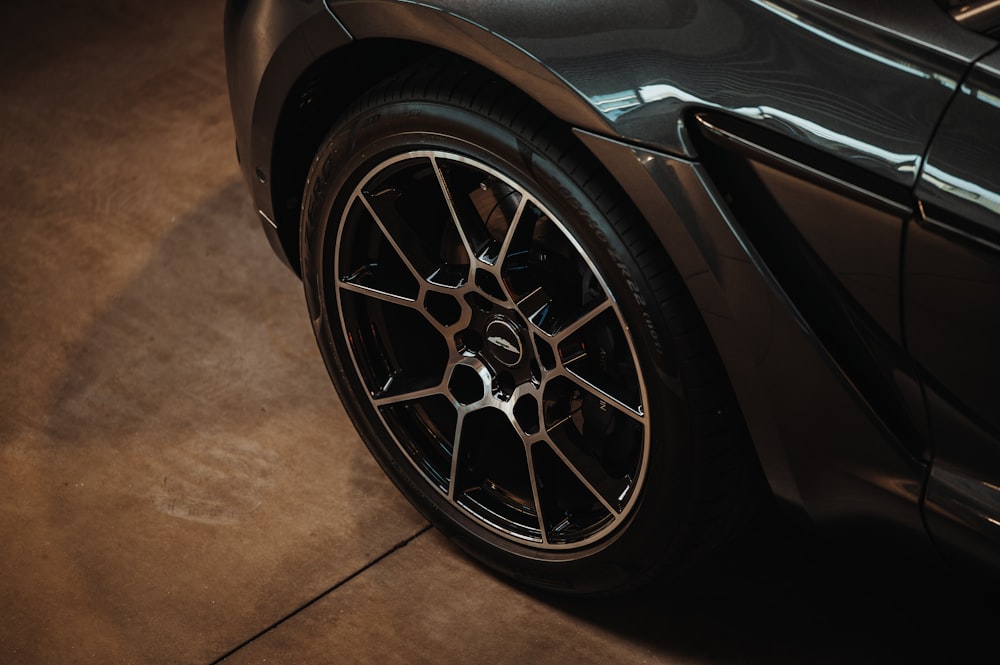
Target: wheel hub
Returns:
[503, 343]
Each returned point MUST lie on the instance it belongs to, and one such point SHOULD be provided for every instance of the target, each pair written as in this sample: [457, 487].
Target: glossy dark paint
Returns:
[953, 255]
[830, 223]
[952, 311]
[830, 108]
[642, 65]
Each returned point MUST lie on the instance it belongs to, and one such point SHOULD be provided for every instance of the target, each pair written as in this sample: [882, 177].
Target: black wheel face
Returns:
[491, 350]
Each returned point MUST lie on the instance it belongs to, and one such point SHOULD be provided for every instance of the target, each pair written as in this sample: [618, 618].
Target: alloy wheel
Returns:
[491, 349]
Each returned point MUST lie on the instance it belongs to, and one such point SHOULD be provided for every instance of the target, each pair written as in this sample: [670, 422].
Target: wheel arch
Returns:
[319, 95]
[377, 49]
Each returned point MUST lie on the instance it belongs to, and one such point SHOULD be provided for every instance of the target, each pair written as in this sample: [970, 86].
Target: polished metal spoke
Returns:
[384, 296]
[535, 490]
[403, 241]
[532, 303]
[564, 332]
[603, 395]
[410, 395]
[446, 191]
[456, 454]
[582, 477]
[512, 230]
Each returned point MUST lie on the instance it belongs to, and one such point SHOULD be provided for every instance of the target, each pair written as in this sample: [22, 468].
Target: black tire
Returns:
[548, 397]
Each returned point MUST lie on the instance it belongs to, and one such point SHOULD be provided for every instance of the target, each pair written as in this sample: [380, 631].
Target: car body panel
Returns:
[952, 311]
[642, 65]
[269, 45]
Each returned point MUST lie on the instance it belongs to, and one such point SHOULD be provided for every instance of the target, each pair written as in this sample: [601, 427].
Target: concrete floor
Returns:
[178, 483]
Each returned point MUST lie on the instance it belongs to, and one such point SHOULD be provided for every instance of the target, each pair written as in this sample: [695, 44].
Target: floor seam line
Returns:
[398, 546]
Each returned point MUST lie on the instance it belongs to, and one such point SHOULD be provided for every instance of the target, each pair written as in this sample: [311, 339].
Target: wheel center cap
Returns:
[503, 343]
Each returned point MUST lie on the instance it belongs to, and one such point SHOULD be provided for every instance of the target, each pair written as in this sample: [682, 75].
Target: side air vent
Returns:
[831, 235]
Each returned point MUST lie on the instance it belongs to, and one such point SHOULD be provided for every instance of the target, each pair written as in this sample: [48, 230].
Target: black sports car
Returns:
[595, 280]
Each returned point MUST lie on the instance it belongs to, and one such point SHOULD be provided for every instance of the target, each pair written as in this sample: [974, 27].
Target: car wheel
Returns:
[514, 348]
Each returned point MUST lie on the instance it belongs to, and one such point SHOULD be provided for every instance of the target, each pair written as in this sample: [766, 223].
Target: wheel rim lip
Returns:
[454, 500]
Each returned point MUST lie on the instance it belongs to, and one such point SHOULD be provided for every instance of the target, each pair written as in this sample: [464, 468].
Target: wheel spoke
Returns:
[512, 232]
[564, 332]
[456, 454]
[403, 239]
[533, 479]
[388, 362]
[406, 396]
[431, 421]
[459, 226]
[377, 294]
[584, 468]
[547, 273]
[595, 354]
[535, 307]
[604, 396]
